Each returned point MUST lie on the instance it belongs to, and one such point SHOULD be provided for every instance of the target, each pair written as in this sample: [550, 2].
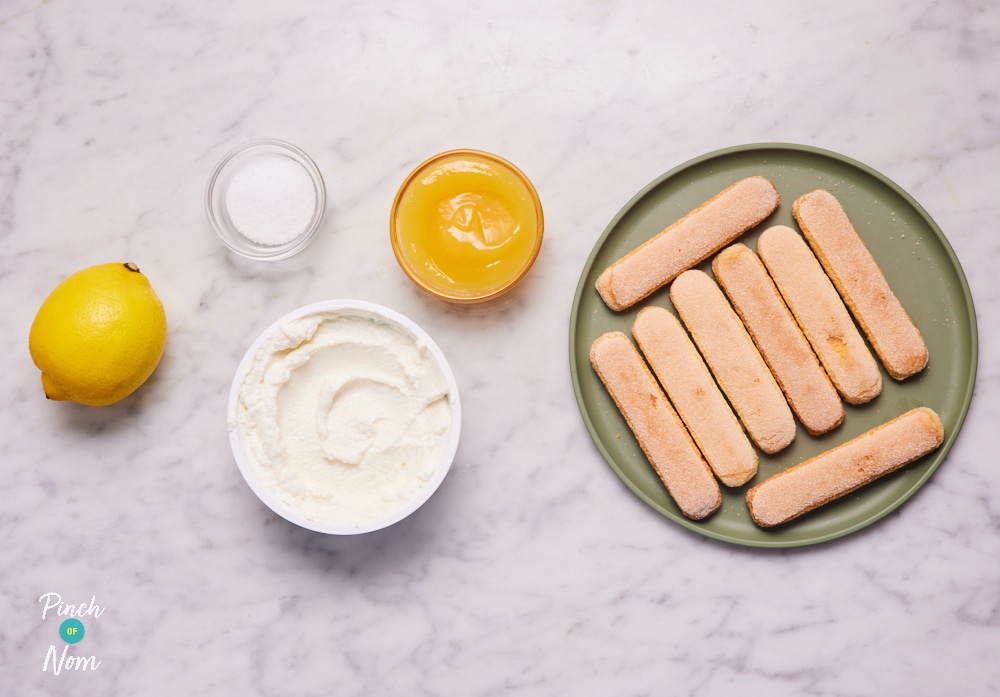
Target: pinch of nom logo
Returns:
[71, 632]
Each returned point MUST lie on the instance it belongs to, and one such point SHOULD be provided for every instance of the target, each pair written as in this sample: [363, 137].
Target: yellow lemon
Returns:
[99, 335]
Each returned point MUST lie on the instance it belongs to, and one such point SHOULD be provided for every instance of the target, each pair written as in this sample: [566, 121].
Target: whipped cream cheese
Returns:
[343, 416]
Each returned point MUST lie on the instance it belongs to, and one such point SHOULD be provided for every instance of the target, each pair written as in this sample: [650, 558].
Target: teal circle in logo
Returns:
[71, 631]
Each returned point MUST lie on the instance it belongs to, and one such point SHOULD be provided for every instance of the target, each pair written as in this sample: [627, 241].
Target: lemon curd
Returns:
[466, 226]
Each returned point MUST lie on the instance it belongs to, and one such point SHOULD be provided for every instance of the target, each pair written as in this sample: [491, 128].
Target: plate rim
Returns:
[969, 309]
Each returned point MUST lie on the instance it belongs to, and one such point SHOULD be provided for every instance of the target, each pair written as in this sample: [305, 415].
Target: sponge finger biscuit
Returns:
[734, 360]
[770, 324]
[861, 283]
[847, 467]
[820, 313]
[695, 396]
[656, 426]
[687, 242]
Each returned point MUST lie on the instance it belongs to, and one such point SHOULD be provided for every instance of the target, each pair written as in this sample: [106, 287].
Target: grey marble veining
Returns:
[533, 570]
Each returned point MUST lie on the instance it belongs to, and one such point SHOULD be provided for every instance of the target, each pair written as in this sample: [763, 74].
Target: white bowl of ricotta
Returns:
[344, 417]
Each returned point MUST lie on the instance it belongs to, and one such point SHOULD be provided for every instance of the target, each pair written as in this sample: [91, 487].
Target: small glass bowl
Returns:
[218, 185]
[404, 248]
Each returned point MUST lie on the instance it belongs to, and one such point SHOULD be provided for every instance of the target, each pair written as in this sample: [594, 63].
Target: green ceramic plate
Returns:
[919, 265]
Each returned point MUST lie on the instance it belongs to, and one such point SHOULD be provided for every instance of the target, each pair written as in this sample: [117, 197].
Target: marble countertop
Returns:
[533, 570]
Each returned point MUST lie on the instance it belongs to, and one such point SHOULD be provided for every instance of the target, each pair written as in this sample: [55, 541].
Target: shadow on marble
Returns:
[393, 549]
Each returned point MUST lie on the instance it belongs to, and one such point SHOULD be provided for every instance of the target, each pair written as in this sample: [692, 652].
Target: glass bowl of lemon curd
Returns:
[466, 226]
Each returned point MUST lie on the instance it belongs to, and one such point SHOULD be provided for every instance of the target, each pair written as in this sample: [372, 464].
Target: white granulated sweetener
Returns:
[271, 200]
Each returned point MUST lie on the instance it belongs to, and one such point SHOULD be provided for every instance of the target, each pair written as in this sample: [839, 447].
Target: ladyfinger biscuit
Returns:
[695, 396]
[656, 426]
[767, 319]
[820, 313]
[687, 242]
[861, 283]
[734, 360]
[841, 470]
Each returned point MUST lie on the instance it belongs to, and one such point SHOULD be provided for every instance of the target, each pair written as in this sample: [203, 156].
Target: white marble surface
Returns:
[533, 570]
